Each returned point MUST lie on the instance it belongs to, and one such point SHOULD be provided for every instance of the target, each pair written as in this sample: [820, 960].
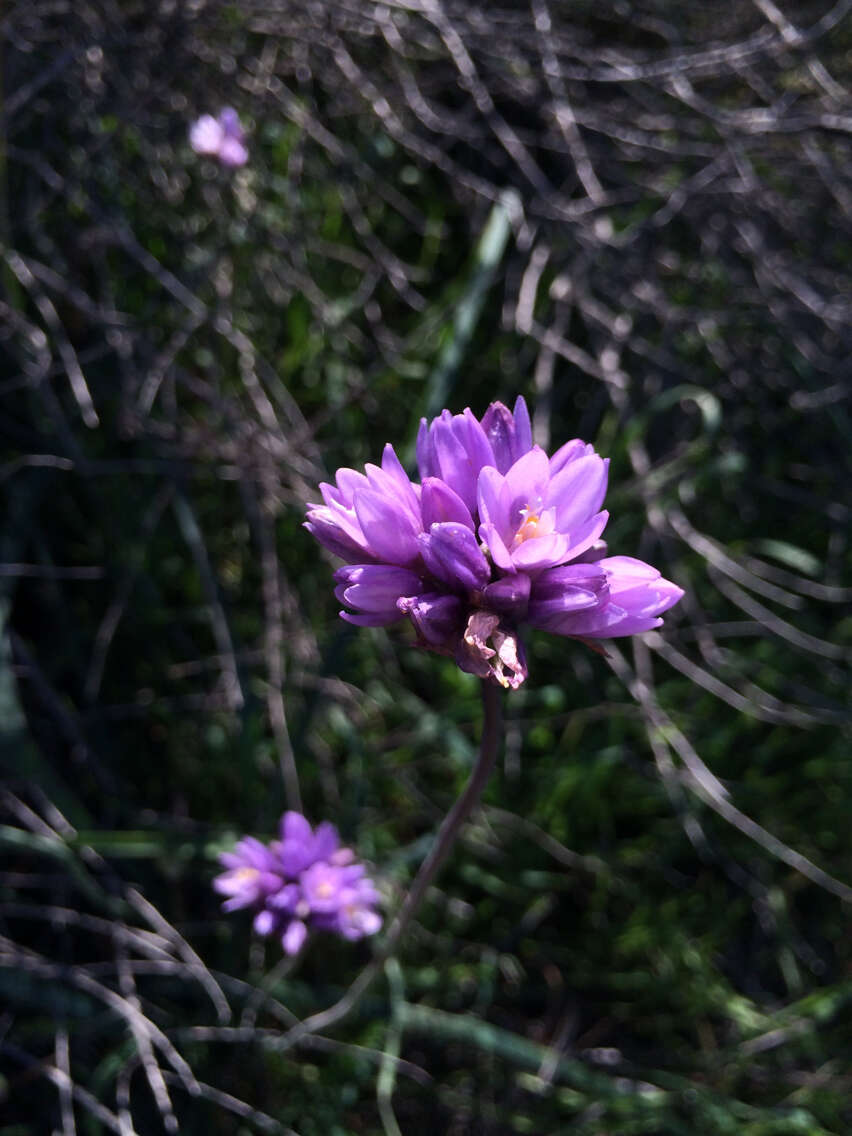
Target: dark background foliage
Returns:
[636, 214]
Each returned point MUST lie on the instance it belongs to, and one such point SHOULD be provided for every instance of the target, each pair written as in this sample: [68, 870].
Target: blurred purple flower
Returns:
[222, 137]
[301, 882]
[496, 535]
[253, 874]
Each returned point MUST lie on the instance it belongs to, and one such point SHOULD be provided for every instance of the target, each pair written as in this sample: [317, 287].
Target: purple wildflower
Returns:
[496, 535]
[301, 882]
[221, 137]
[253, 874]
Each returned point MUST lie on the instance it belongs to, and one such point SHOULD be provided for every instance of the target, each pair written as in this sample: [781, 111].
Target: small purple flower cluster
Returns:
[303, 881]
[496, 535]
[221, 137]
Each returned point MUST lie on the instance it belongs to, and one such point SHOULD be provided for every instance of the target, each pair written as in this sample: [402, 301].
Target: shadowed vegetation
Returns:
[637, 215]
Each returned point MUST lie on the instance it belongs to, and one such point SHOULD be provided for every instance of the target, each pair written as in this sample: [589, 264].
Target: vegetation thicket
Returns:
[637, 215]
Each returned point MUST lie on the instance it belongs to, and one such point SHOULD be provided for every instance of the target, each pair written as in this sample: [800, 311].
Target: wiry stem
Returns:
[446, 838]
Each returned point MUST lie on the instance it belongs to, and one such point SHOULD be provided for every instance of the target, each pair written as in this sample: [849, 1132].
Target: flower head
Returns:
[301, 882]
[495, 535]
[221, 137]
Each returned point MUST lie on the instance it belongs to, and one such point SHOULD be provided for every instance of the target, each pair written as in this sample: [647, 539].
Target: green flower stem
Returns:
[448, 832]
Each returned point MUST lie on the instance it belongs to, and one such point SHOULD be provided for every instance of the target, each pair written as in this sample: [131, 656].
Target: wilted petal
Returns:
[510, 668]
[492, 652]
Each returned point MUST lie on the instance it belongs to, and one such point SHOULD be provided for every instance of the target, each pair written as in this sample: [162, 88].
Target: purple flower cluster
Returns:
[304, 880]
[221, 137]
[496, 535]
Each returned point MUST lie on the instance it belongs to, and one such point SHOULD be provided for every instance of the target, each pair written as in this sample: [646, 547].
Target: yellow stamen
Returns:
[535, 521]
[529, 526]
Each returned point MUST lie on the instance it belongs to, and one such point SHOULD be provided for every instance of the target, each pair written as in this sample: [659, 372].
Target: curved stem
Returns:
[444, 841]
[455, 818]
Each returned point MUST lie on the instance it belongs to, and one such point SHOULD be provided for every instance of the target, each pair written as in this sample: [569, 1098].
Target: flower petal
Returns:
[439, 503]
[295, 827]
[451, 553]
[495, 544]
[541, 552]
[331, 535]
[375, 588]
[232, 152]
[326, 841]
[294, 937]
[577, 491]
[586, 534]
[389, 532]
[488, 497]
[568, 453]
[264, 922]
[526, 481]
[205, 135]
[509, 434]
[437, 618]
[508, 595]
